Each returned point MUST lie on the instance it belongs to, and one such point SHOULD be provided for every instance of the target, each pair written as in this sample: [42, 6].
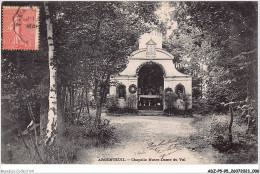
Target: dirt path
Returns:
[147, 140]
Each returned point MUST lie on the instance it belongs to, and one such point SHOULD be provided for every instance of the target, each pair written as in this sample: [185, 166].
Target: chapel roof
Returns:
[151, 42]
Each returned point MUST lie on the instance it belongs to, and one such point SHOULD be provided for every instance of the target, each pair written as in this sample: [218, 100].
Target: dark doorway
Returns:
[150, 87]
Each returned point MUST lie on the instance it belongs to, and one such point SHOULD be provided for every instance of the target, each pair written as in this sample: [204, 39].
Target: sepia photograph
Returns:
[129, 82]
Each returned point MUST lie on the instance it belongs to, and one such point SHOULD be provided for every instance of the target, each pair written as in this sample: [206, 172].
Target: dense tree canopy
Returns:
[93, 39]
[218, 40]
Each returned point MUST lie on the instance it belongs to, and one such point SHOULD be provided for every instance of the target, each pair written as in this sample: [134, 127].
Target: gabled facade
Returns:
[150, 71]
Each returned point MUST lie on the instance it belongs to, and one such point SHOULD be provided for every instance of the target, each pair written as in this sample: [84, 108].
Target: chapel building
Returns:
[150, 72]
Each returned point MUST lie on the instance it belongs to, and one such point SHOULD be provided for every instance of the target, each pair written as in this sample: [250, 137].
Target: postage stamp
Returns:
[20, 28]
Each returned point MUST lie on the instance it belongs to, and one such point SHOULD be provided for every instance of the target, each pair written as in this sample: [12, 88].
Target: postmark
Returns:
[20, 28]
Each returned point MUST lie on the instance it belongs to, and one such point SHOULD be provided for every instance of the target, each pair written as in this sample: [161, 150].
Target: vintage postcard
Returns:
[130, 82]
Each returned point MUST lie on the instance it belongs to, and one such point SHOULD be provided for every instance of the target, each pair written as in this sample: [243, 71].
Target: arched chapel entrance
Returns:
[149, 73]
[150, 86]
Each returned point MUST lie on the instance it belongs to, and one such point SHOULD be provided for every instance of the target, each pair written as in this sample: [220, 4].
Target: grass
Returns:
[13, 151]
[212, 138]
[77, 137]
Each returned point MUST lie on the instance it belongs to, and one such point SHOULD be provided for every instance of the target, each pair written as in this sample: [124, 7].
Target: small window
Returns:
[121, 91]
[168, 89]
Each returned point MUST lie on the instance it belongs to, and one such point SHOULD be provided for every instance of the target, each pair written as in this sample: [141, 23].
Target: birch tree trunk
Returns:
[230, 123]
[51, 128]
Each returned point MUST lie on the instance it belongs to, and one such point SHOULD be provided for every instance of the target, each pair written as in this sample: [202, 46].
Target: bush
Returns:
[200, 106]
[219, 131]
[174, 111]
[117, 110]
[213, 130]
[247, 113]
[170, 98]
[112, 101]
[61, 153]
[70, 115]
[114, 109]
[104, 135]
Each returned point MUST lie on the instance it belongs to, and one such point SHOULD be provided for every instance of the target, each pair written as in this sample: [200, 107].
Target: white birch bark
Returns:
[51, 128]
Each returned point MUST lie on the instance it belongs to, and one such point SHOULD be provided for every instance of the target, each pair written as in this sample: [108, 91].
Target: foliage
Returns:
[175, 111]
[21, 104]
[213, 131]
[21, 87]
[22, 73]
[78, 137]
[104, 136]
[234, 61]
[170, 98]
[15, 153]
[196, 87]
[106, 133]
[122, 111]
[200, 106]
[113, 108]
[99, 37]
[70, 116]
[247, 114]
[216, 41]
[112, 101]
[168, 89]
[186, 98]
[61, 153]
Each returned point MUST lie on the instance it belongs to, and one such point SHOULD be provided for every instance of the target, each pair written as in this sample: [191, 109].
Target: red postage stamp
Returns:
[20, 28]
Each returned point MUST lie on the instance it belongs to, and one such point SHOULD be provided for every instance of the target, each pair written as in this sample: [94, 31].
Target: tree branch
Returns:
[244, 53]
